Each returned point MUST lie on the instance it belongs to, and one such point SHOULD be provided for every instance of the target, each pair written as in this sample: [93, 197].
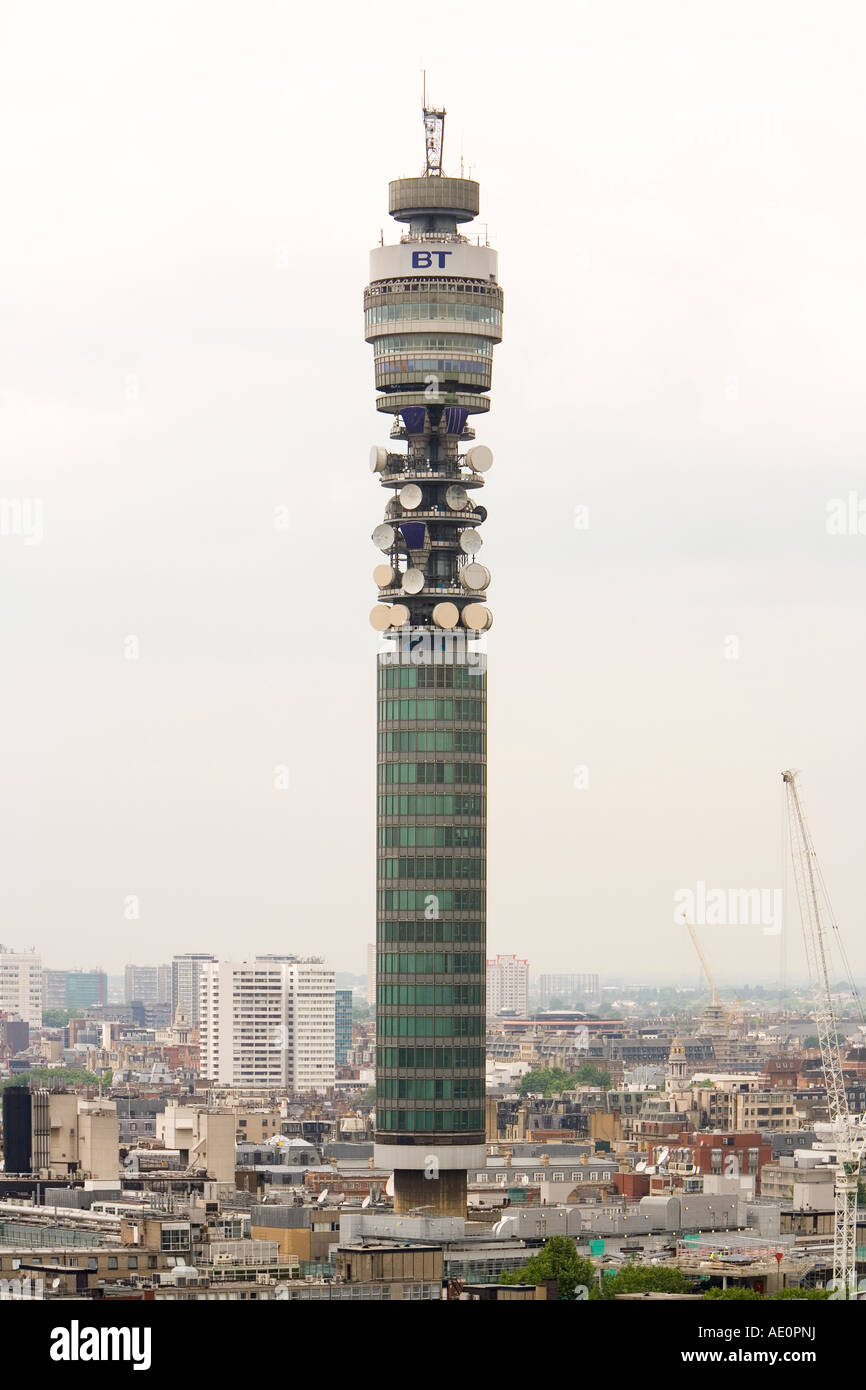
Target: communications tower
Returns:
[433, 314]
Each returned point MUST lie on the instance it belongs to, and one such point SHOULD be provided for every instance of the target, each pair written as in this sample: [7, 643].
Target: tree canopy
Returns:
[635, 1278]
[58, 1018]
[53, 1076]
[552, 1081]
[557, 1259]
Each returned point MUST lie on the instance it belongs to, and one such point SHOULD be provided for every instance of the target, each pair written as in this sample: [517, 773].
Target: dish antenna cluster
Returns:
[430, 535]
[434, 311]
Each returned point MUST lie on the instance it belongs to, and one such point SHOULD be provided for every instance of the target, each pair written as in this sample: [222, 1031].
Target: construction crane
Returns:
[702, 958]
[849, 1131]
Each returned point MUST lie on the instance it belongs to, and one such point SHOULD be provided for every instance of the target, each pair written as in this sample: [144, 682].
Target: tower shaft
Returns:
[433, 312]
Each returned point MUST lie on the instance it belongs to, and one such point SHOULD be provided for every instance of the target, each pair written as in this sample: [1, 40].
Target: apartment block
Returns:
[269, 1022]
[507, 985]
[21, 985]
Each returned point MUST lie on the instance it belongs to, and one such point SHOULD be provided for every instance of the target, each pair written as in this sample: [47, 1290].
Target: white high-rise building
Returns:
[185, 981]
[21, 985]
[312, 1004]
[507, 985]
[268, 1022]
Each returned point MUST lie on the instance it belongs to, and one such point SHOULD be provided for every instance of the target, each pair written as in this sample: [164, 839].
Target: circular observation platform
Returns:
[413, 198]
[395, 403]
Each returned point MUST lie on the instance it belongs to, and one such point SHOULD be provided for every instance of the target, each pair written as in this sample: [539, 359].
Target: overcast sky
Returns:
[190, 193]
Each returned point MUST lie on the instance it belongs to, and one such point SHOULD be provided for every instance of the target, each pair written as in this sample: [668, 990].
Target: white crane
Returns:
[849, 1131]
[702, 958]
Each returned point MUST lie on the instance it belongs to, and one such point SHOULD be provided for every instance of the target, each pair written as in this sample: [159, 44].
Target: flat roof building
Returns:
[21, 985]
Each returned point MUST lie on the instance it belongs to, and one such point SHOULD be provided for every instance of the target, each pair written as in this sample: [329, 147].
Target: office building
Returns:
[147, 984]
[567, 988]
[21, 985]
[54, 989]
[342, 1025]
[86, 989]
[59, 1134]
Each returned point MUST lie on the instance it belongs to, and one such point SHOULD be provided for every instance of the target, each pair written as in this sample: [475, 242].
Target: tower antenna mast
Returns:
[434, 136]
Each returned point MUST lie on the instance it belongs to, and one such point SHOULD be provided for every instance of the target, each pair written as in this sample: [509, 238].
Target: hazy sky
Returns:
[190, 192]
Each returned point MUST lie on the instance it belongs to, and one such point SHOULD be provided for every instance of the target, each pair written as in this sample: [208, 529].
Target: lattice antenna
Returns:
[434, 137]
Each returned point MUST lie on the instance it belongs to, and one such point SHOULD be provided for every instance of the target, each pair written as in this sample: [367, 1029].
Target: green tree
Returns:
[557, 1259]
[552, 1081]
[815, 1295]
[54, 1076]
[58, 1018]
[367, 1096]
[635, 1278]
[588, 1075]
[608, 1011]
[547, 1081]
[741, 1295]
[811, 1040]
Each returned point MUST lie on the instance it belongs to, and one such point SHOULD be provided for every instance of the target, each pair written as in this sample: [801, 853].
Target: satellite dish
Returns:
[663, 1157]
[410, 496]
[641, 1166]
[399, 615]
[446, 615]
[320, 1201]
[476, 617]
[470, 542]
[413, 581]
[383, 575]
[383, 536]
[481, 512]
[474, 576]
[378, 458]
[389, 1186]
[479, 458]
[380, 617]
[367, 1201]
[456, 497]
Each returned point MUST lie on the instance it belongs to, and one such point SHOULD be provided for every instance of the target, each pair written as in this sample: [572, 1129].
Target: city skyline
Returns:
[326, 979]
[173, 736]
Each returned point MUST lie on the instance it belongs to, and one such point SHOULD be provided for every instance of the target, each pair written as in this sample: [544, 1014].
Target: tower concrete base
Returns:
[444, 1195]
